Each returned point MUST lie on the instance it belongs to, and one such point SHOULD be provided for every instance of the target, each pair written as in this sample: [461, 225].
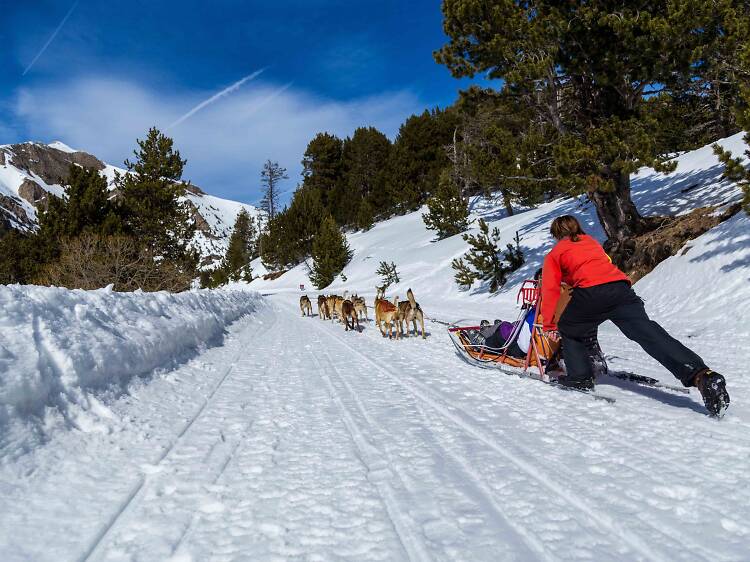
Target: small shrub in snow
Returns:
[388, 274]
[485, 261]
[734, 170]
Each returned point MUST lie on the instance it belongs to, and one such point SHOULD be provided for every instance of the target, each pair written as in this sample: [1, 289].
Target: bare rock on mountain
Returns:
[194, 189]
[201, 224]
[13, 215]
[50, 164]
[34, 194]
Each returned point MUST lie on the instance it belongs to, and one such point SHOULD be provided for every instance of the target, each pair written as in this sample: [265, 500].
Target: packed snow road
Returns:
[297, 441]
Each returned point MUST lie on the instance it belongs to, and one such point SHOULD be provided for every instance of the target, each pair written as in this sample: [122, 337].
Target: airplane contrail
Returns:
[51, 37]
[267, 99]
[215, 97]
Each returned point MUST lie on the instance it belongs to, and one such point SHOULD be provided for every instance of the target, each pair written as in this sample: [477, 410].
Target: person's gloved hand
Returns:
[552, 335]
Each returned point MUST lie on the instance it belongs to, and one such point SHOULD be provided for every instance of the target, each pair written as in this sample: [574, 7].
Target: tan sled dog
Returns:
[305, 305]
[360, 306]
[409, 311]
[349, 312]
[386, 312]
[334, 306]
[323, 312]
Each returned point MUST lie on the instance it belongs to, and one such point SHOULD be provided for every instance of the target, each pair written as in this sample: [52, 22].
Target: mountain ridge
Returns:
[31, 171]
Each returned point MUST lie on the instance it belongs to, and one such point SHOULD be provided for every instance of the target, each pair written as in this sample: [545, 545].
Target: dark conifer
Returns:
[330, 253]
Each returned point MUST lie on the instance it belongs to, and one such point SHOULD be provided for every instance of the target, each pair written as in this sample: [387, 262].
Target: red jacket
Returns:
[579, 264]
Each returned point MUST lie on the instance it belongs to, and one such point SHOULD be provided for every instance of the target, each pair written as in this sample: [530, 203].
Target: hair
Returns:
[566, 226]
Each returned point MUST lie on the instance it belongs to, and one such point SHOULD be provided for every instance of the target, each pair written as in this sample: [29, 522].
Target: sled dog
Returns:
[360, 306]
[349, 312]
[305, 305]
[409, 311]
[386, 312]
[323, 312]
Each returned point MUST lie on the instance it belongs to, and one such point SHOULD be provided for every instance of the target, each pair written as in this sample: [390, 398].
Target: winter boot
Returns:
[713, 389]
[578, 384]
[596, 355]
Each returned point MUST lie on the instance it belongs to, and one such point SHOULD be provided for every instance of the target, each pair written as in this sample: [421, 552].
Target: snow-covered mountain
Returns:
[30, 171]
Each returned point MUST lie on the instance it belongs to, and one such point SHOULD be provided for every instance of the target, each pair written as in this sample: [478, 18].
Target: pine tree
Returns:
[150, 200]
[464, 276]
[365, 162]
[587, 69]
[330, 254]
[322, 166]
[737, 32]
[86, 207]
[240, 250]
[486, 260]
[448, 211]
[365, 215]
[499, 147]
[270, 178]
[417, 158]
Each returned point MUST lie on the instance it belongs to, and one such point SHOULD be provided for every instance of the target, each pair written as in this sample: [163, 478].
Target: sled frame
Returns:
[529, 295]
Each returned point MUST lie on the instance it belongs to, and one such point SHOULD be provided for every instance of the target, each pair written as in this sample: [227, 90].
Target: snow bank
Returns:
[60, 349]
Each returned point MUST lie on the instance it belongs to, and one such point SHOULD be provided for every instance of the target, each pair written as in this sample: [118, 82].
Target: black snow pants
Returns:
[617, 302]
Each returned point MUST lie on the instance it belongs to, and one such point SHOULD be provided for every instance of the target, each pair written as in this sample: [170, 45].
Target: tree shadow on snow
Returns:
[728, 242]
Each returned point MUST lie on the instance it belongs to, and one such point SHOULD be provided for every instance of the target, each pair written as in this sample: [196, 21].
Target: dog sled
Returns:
[541, 360]
[539, 354]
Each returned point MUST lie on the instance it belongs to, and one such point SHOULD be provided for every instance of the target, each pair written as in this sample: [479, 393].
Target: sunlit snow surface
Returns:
[289, 439]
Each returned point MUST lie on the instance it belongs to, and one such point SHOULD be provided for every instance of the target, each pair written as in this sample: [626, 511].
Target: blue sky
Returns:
[114, 68]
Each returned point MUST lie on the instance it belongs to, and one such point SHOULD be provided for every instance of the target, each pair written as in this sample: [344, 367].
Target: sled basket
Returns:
[540, 349]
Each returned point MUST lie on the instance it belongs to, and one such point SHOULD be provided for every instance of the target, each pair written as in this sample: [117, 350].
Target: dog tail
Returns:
[412, 300]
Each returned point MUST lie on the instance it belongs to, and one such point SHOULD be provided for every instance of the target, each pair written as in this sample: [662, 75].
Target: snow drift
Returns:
[60, 349]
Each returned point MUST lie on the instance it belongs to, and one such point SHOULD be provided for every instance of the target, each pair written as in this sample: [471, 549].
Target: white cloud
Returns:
[226, 143]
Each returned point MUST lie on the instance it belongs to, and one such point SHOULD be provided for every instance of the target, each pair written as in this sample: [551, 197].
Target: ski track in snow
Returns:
[295, 440]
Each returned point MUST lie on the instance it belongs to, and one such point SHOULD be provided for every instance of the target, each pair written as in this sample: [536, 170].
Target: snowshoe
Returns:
[713, 389]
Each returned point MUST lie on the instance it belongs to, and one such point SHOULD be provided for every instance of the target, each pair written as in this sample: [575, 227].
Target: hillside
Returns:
[30, 171]
[424, 263]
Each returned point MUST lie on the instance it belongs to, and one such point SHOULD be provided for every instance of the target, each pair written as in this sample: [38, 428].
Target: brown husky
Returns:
[386, 311]
[305, 305]
[409, 311]
[323, 312]
[349, 312]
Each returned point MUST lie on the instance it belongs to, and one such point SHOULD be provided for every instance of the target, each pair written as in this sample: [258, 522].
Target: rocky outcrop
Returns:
[670, 238]
[201, 224]
[34, 194]
[50, 164]
[194, 189]
[13, 215]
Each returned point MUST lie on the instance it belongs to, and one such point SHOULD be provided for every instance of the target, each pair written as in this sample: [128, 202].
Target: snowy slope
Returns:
[425, 264]
[294, 440]
[297, 441]
[215, 216]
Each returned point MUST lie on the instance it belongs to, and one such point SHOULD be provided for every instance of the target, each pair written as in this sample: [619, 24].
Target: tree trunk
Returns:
[619, 218]
[507, 202]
